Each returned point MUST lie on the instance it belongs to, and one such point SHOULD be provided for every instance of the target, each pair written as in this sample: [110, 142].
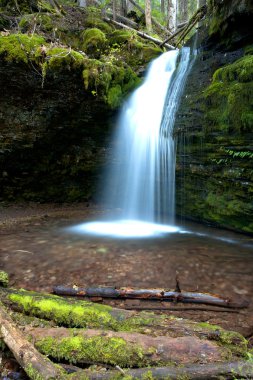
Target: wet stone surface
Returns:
[38, 253]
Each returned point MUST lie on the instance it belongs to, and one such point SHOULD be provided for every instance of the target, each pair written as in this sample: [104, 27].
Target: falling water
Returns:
[142, 180]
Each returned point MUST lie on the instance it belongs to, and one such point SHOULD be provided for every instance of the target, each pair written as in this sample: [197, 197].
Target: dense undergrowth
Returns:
[106, 58]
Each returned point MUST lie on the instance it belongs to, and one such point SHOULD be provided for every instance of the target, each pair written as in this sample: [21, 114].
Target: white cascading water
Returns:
[142, 180]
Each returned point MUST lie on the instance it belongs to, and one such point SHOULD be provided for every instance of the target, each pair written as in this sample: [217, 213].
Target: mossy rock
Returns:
[20, 47]
[241, 71]
[109, 81]
[150, 52]
[229, 99]
[94, 42]
[121, 37]
[59, 58]
[92, 21]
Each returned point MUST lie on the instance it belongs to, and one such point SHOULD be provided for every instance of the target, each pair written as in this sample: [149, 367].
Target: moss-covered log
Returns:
[123, 348]
[76, 313]
[241, 370]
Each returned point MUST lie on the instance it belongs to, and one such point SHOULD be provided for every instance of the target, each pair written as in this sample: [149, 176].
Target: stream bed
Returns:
[38, 253]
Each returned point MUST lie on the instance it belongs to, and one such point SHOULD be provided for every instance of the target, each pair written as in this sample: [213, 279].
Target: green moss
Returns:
[99, 349]
[27, 320]
[150, 52]
[32, 374]
[248, 50]
[96, 22]
[94, 41]
[241, 71]
[229, 99]
[121, 37]
[64, 313]
[79, 313]
[109, 80]
[114, 96]
[59, 58]
[4, 279]
[236, 343]
[20, 47]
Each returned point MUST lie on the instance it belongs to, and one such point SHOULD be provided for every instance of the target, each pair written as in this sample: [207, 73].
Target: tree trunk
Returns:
[123, 8]
[114, 9]
[153, 20]
[148, 15]
[163, 7]
[182, 15]
[172, 12]
[185, 14]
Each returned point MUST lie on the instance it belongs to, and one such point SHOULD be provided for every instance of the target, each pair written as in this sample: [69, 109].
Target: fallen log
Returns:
[163, 307]
[35, 364]
[123, 19]
[139, 33]
[233, 370]
[77, 313]
[124, 349]
[150, 294]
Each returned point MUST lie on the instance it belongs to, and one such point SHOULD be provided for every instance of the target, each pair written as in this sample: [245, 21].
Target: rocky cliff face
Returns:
[62, 79]
[215, 124]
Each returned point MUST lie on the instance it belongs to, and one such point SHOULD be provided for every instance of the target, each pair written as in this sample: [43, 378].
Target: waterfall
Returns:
[141, 182]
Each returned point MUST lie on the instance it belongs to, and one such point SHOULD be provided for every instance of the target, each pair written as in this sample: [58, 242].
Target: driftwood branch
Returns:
[139, 33]
[150, 294]
[25, 353]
